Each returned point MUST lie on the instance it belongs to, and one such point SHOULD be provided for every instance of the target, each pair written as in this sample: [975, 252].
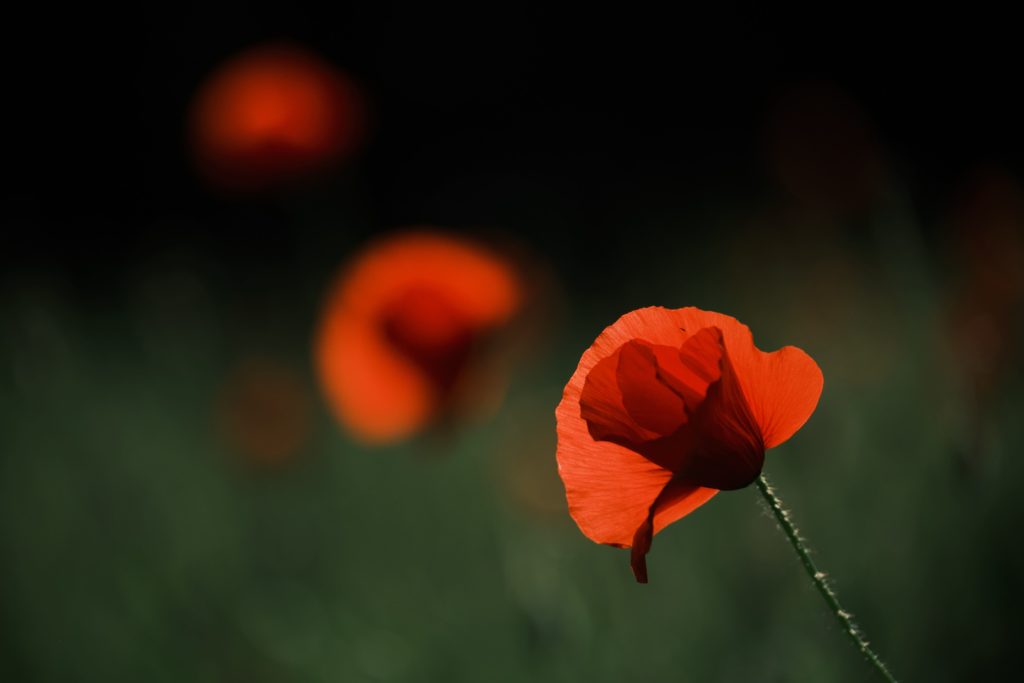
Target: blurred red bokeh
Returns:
[271, 115]
[404, 333]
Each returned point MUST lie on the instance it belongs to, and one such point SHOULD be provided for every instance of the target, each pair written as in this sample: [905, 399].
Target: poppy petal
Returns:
[603, 407]
[377, 394]
[641, 546]
[690, 369]
[663, 386]
[677, 500]
[482, 285]
[610, 489]
[651, 403]
[643, 392]
[782, 388]
[728, 451]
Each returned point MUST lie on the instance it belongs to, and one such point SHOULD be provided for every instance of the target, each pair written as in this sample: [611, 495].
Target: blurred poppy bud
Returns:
[406, 329]
[271, 115]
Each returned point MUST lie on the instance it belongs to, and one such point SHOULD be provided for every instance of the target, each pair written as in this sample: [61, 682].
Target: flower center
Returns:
[681, 408]
[424, 326]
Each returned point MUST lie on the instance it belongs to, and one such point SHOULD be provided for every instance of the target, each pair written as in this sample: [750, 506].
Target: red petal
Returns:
[642, 395]
[782, 388]
[709, 440]
[726, 450]
[691, 368]
[641, 546]
[675, 501]
[652, 404]
[610, 488]
[678, 500]
[602, 405]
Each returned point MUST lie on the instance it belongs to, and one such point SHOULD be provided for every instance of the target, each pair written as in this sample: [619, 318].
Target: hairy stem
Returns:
[818, 578]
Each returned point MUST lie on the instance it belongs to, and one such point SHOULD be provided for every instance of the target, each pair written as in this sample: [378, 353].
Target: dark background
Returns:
[632, 154]
[481, 114]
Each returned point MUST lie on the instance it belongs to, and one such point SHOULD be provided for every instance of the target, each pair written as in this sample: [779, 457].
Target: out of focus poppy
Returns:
[664, 410]
[264, 412]
[273, 114]
[404, 327]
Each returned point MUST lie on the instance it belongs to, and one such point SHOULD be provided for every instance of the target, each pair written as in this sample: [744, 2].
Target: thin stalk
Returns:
[818, 578]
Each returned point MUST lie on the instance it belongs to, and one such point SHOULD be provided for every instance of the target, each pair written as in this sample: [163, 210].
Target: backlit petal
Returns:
[727, 451]
[782, 388]
[650, 402]
[678, 500]
[610, 488]
[602, 406]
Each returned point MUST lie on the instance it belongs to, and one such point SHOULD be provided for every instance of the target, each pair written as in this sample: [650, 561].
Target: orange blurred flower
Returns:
[271, 114]
[667, 408]
[403, 328]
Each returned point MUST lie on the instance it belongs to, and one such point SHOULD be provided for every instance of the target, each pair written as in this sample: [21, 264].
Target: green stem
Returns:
[818, 578]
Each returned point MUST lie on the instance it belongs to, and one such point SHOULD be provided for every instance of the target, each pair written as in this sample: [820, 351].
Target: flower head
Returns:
[271, 114]
[667, 408]
[402, 327]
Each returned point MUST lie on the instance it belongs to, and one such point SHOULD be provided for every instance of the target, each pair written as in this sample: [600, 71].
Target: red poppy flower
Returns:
[667, 408]
[271, 114]
[402, 327]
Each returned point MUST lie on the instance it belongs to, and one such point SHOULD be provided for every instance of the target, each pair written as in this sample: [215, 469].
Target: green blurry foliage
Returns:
[138, 546]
